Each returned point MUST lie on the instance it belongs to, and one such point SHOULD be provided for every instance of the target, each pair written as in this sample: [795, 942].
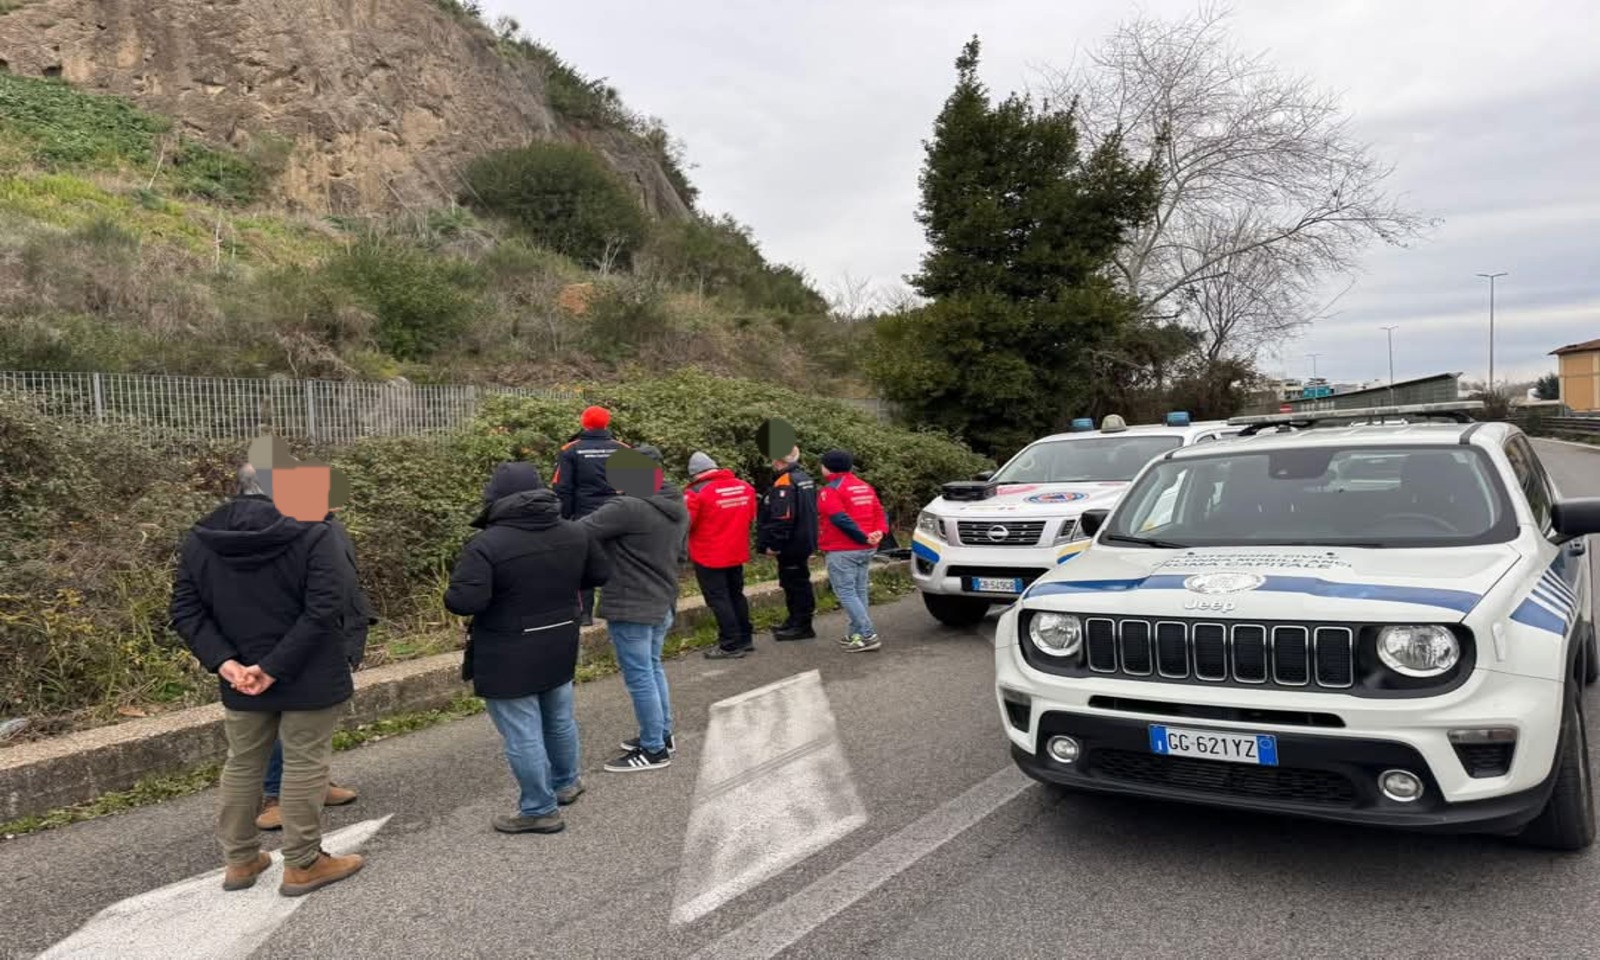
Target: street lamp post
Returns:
[1491, 277]
[1313, 358]
[1390, 331]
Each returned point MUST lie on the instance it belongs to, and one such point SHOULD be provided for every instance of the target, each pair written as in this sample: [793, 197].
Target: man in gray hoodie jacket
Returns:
[645, 532]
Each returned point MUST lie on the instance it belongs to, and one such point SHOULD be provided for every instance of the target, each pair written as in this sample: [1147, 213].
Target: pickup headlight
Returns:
[931, 525]
[1070, 530]
[1055, 634]
[1422, 651]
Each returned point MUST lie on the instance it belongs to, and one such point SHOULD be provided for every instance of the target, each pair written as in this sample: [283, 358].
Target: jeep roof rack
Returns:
[1459, 411]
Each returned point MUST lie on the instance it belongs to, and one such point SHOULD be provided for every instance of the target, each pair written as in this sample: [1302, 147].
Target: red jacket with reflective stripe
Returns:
[721, 509]
[854, 497]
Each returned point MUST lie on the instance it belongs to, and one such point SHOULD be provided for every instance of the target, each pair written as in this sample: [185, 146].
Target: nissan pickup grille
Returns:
[1000, 533]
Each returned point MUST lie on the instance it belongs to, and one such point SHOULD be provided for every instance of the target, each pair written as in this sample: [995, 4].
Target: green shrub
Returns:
[563, 197]
[720, 258]
[692, 411]
[421, 302]
[625, 319]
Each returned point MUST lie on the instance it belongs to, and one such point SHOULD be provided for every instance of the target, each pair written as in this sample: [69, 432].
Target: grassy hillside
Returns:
[125, 246]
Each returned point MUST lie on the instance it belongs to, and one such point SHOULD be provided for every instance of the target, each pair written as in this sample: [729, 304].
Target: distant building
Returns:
[1580, 375]
[1439, 388]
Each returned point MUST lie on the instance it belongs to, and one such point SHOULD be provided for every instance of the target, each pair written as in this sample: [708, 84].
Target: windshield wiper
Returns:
[1317, 543]
[1143, 542]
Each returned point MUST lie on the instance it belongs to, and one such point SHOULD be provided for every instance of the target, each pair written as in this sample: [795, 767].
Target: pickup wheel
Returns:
[1567, 821]
[956, 611]
[1591, 658]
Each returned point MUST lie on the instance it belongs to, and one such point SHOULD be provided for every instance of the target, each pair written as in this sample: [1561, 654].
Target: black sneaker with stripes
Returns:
[635, 761]
[632, 743]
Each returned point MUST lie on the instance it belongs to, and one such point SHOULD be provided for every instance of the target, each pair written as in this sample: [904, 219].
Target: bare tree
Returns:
[1262, 185]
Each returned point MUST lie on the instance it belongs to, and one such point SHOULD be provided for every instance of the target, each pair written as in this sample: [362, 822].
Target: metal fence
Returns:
[236, 409]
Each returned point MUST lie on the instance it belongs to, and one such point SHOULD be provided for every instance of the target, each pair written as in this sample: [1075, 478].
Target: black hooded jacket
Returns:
[260, 588]
[519, 581]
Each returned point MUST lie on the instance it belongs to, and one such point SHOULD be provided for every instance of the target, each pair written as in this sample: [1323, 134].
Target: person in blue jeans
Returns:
[645, 532]
[519, 580]
[852, 525]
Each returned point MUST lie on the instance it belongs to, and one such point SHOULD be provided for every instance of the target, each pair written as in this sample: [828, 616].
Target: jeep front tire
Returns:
[1567, 820]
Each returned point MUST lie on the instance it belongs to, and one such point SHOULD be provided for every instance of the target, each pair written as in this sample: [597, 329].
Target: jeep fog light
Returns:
[1064, 749]
[1401, 786]
[1056, 634]
[1424, 651]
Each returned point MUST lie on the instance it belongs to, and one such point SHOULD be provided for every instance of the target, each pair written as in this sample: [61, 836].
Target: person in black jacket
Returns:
[519, 581]
[786, 528]
[580, 478]
[258, 599]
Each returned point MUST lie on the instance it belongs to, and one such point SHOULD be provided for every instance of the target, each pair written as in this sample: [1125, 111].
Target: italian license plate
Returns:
[1211, 745]
[996, 584]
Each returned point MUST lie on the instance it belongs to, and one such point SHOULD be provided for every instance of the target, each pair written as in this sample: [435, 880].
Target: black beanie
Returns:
[838, 461]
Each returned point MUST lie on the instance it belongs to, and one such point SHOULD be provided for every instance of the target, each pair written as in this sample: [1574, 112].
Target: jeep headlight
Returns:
[1417, 651]
[1055, 634]
[931, 525]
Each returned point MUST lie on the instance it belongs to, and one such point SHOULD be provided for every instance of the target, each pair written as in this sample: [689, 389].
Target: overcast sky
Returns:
[805, 120]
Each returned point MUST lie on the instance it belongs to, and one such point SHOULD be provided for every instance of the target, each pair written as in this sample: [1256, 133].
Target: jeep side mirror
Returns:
[1091, 521]
[985, 475]
[1575, 518]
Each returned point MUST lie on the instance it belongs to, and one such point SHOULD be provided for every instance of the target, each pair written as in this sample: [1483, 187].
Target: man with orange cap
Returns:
[580, 478]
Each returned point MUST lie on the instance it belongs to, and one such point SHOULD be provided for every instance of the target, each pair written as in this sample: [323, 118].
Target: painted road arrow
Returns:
[195, 918]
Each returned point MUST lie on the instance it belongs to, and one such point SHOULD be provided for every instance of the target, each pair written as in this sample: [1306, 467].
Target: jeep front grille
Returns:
[1249, 653]
[1000, 533]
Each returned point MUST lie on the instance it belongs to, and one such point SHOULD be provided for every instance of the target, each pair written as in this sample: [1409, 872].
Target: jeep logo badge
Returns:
[998, 532]
[1211, 583]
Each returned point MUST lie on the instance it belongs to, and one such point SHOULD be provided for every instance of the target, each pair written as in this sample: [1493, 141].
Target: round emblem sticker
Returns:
[1056, 497]
[1223, 582]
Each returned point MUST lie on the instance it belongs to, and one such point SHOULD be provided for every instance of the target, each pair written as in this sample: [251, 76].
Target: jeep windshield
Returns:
[1085, 461]
[1381, 496]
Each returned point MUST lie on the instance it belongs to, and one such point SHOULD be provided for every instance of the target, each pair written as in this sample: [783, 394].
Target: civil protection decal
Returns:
[1063, 497]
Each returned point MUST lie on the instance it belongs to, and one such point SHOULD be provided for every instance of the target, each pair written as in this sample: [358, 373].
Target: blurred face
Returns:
[302, 492]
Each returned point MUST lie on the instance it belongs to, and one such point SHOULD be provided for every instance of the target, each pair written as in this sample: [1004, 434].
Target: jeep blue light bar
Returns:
[1178, 418]
[1082, 423]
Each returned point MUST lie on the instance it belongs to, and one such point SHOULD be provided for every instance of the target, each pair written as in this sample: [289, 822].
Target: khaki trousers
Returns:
[307, 737]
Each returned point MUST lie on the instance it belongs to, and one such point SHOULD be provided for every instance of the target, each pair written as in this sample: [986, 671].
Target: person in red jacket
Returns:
[721, 509]
[851, 522]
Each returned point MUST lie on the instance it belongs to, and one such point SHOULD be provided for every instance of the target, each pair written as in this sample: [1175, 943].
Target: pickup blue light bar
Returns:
[1178, 418]
[1082, 423]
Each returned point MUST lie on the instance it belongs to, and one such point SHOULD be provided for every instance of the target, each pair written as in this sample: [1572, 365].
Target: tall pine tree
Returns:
[1021, 229]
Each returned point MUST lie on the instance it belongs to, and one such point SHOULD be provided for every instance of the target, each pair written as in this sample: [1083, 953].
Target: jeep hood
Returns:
[1276, 583]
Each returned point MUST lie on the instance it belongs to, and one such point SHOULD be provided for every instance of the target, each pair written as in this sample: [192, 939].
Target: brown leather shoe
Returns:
[271, 817]
[242, 876]
[338, 796]
[326, 870]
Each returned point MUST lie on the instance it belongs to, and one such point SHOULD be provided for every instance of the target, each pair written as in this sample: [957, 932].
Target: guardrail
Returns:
[1570, 426]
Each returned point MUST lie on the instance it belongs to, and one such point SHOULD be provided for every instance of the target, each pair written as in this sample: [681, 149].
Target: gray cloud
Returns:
[806, 121]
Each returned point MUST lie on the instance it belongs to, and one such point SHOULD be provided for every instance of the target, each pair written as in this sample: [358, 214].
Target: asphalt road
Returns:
[884, 809]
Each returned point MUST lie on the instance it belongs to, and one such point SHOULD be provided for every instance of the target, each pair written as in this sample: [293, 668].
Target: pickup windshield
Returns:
[1085, 461]
[1388, 496]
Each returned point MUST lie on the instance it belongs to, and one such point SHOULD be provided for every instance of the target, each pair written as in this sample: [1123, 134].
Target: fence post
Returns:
[99, 401]
[311, 412]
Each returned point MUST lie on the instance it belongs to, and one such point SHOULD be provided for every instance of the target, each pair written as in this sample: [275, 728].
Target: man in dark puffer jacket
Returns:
[519, 580]
[258, 598]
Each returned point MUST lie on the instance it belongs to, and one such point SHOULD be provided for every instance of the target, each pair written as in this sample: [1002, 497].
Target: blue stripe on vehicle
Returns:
[1539, 618]
[925, 552]
[1064, 559]
[1558, 585]
[1460, 601]
[1552, 599]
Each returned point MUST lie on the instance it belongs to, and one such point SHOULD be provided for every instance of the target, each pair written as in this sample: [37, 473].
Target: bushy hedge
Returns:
[692, 411]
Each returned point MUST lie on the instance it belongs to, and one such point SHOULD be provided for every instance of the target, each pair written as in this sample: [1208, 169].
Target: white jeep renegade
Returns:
[1381, 623]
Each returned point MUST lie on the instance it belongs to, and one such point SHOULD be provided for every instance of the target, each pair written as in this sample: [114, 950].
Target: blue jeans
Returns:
[274, 780]
[541, 735]
[638, 648]
[849, 573]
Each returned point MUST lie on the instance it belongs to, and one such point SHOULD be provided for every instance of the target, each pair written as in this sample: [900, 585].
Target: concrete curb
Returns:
[61, 772]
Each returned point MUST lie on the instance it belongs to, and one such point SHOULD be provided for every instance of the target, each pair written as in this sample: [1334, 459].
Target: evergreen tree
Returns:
[1021, 227]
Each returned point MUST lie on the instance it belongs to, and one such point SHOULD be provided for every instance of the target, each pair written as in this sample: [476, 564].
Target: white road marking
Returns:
[779, 928]
[774, 788]
[195, 918]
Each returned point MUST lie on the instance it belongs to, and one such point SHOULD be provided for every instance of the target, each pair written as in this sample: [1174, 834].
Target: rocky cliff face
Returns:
[385, 101]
